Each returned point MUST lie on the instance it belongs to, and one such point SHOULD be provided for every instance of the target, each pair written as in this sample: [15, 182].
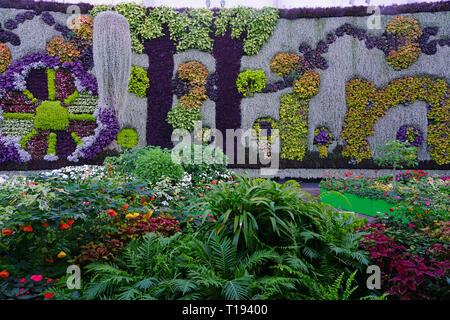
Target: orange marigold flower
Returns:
[125, 207]
[45, 225]
[28, 229]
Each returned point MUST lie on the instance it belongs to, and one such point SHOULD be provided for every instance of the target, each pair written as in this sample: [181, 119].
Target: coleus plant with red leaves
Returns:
[404, 274]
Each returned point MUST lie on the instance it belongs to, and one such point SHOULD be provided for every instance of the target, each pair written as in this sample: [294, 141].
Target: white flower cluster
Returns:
[16, 127]
[84, 103]
[77, 172]
[50, 157]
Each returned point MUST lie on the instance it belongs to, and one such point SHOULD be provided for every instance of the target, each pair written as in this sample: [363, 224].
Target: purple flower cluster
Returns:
[85, 79]
[109, 132]
[8, 153]
[87, 58]
[322, 137]
[279, 85]
[8, 36]
[12, 24]
[402, 135]
[48, 18]
[180, 87]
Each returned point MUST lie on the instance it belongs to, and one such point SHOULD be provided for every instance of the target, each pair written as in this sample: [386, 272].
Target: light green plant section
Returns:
[29, 95]
[250, 82]
[293, 126]
[25, 138]
[50, 115]
[51, 83]
[259, 25]
[71, 98]
[76, 138]
[81, 117]
[191, 28]
[139, 82]
[18, 116]
[127, 138]
[51, 144]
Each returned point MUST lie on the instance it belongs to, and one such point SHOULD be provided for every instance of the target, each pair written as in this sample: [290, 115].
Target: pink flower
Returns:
[411, 225]
[22, 280]
[356, 187]
[85, 203]
[36, 278]
[428, 203]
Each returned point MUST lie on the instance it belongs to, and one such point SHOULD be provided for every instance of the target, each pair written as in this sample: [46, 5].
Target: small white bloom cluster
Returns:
[78, 172]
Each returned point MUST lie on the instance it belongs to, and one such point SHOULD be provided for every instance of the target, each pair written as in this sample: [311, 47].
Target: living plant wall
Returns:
[332, 87]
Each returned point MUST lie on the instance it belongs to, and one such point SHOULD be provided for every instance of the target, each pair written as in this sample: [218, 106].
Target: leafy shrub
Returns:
[293, 126]
[127, 138]
[284, 63]
[155, 164]
[193, 72]
[66, 51]
[213, 162]
[251, 81]
[139, 82]
[308, 85]
[407, 271]
[181, 117]
[264, 213]
[5, 57]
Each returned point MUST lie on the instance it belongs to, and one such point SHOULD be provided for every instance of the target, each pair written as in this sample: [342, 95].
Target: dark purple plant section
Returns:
[362, 10]
[228, 52]
[65, 144]
[8, 36]
[160, 53]
[37, 83]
